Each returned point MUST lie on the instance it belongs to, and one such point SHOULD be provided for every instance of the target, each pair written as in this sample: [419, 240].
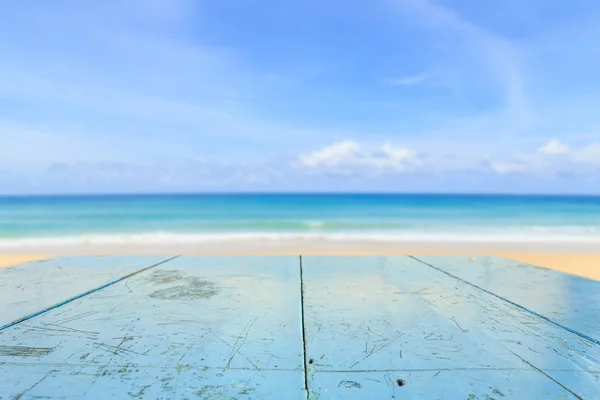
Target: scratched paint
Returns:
[31, 287]
[210, 327]
[432, 384]
[24, 351]
[230, 328]
[587, 383]
[570, 300]
[396, 314]
[67, 381]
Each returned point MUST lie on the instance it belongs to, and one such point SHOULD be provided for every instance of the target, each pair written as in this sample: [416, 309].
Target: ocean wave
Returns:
[314, 224]
[172, 238]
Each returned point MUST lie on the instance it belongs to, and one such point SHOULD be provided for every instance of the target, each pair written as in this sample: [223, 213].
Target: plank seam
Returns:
[582, 335]
[336, 371]
[363, 371]
[546, 375]
[306, 386]
[62, 303]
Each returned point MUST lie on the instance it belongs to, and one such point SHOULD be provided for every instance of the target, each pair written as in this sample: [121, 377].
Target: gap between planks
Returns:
[305, 364]
[79, 296]
[523, 308]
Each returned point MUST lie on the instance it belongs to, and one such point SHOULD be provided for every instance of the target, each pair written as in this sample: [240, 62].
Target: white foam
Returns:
[314, 224]
[170, 238]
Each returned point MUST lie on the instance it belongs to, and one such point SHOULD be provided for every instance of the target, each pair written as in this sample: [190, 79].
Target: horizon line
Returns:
[292, 193]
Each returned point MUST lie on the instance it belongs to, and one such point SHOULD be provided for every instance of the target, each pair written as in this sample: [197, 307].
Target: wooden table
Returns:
[296, 328]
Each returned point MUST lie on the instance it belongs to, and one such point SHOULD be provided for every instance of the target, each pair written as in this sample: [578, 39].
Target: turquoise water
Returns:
[205, 217]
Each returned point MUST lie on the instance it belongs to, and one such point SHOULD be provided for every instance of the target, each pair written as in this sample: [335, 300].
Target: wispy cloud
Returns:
[590, 155]
[511, 167]
[407, 80]
[551, 159]
[472, 47]
[172, 10]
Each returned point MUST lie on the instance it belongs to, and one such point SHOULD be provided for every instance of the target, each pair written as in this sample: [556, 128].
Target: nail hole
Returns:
[311, 361]
[400, 382]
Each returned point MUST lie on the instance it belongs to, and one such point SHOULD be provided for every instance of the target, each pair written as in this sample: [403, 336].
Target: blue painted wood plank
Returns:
[586, 383]
[31, 287]
[570, 300]
[437, 385]
[216, 327]
[374, 314]
[213, 325]
[84, 382]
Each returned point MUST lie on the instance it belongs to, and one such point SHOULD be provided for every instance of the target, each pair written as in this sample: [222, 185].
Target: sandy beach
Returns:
[582, 261]
[6, 260]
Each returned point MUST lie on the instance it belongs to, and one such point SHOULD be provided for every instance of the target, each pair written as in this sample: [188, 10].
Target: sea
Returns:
[138, 219]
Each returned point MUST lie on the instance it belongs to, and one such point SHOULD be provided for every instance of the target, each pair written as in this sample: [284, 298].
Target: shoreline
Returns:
[581, 259]
[215, 245]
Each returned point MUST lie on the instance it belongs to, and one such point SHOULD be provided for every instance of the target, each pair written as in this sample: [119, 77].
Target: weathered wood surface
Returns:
[191, 328]
[396, 316]
[569, 300]
[32, 287]
[241, 327]
[437, 385]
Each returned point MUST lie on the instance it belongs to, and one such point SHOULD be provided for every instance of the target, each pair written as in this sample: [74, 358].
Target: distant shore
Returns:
[576, 258]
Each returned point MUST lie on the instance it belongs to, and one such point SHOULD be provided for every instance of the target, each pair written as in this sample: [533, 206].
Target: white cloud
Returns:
[509, 167]
[583, 160]
[348, 154]
[407, 80]
[554, 147]
[588, 155]
[333, 155]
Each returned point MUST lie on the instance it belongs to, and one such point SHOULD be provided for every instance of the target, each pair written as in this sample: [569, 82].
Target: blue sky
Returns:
[241, 95]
